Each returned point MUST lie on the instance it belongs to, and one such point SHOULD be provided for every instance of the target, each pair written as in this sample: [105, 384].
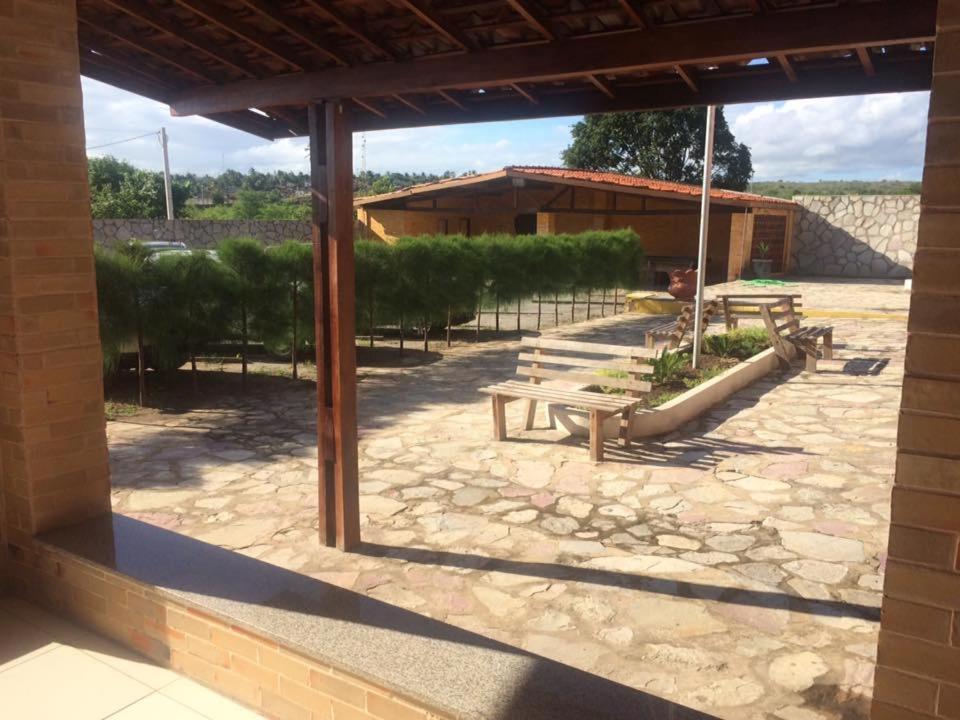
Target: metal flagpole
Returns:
[704, 227]
[167, 189]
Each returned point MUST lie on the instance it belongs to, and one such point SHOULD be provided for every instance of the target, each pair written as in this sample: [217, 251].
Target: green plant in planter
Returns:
[762, 265]
[742, 343]
[668, 368]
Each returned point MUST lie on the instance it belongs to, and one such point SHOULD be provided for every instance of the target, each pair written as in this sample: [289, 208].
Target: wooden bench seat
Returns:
[745, 306]
[783, 326]
[575, 362]
[671, 333]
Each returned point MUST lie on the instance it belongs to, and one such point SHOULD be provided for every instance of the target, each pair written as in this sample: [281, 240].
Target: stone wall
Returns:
[199, 233]
[856, 235]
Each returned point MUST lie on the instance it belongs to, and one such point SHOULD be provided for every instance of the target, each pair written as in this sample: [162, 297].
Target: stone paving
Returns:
[734, 565]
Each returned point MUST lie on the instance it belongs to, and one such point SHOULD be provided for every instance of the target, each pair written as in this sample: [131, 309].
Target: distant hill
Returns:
[789, 188]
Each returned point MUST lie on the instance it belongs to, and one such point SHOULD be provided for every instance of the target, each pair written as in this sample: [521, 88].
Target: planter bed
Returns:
[663, 418]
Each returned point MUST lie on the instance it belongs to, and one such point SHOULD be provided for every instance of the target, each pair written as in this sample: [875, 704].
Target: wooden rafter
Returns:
[410, 104]
[787, 66]
[634, 11]
[525, 93]
[763, 86]
[162, 22]
[868, 67]
[687, 77]
[533, 17]
[825, 29]
[602, 86]
[451, 99]
[428, 15]
[89, 34]
[352, 27]
[370, 107]
[226, 20]
[295, 27]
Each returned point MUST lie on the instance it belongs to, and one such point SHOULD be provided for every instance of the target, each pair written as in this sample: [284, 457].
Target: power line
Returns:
[118, 142]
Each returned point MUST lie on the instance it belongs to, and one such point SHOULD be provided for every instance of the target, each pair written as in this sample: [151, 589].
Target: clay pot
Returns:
[683, 284]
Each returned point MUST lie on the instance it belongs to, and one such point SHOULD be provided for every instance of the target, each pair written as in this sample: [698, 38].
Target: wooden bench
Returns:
[575, 362]
[783, 326]
[737, 307]
[673, 332]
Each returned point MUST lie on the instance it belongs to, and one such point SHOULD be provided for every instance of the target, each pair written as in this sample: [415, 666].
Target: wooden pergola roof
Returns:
[256, 64]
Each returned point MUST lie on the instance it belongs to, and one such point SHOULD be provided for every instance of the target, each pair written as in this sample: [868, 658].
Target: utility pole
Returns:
[704, 228]
[167, 188]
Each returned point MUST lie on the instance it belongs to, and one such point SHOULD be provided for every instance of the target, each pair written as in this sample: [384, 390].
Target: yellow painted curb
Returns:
[854, 314]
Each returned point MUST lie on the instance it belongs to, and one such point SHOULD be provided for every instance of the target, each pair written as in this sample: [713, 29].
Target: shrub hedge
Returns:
[177, 304]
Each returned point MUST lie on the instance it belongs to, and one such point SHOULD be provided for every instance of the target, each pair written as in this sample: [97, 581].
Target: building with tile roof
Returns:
[545, 200]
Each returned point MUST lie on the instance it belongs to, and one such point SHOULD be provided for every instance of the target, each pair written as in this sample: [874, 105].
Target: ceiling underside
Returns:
[256, 64]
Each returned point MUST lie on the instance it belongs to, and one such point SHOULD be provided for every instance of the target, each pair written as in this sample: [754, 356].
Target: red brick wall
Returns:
[918, 673]
[52, 436]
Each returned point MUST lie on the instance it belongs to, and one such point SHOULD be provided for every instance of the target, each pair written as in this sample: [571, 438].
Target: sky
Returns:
[870, 137]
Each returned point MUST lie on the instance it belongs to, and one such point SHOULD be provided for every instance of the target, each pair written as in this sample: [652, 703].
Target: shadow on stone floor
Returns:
[699, 453]
[771, 600]
[452, 667]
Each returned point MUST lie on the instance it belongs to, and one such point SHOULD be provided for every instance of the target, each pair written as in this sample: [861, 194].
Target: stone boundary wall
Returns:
[199, 233]
[872, 236]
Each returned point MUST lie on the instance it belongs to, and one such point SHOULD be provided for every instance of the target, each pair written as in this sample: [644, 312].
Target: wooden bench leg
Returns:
[499, 417]
[651, 341]
[811, 354]
[626, 418]
[828, 346]
[596, 436]
[531, 414]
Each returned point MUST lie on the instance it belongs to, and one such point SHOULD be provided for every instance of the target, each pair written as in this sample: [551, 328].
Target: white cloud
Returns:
[872, 136]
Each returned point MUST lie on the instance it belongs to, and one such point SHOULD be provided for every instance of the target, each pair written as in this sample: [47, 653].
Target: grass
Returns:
[116, 410]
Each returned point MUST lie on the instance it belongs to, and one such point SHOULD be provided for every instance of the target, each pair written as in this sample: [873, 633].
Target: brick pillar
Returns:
[918, 663]
[52, 431]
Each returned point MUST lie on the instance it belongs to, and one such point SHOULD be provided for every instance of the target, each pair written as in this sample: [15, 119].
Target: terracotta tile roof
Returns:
[611, 178]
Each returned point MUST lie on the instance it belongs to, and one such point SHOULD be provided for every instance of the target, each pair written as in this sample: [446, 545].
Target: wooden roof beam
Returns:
[687, 77]
[177, 60]
[426, 13]
[753, 36]
[451, 99]
[351, 27]
[763, 86]
[602, 86]
[867, 62]
[410, 104]
[787, 66]
[159, 21]
[525, 93]
[370, 108]
[634, 11]
[227, 20]
[528, 12]
[294, 26]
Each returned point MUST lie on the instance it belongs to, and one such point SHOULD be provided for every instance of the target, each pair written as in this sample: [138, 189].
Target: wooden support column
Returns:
[331, 183]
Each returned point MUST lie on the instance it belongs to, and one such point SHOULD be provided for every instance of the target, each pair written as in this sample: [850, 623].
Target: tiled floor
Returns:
[52, 669]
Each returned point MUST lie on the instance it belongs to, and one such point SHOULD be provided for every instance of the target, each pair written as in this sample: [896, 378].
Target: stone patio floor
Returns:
[734, 566]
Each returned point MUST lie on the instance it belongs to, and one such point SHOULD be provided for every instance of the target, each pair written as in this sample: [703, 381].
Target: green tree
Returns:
[188, 308]
[375, 273]
[664, 145]
[119, 190]
[245, 262]
[292, 324]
